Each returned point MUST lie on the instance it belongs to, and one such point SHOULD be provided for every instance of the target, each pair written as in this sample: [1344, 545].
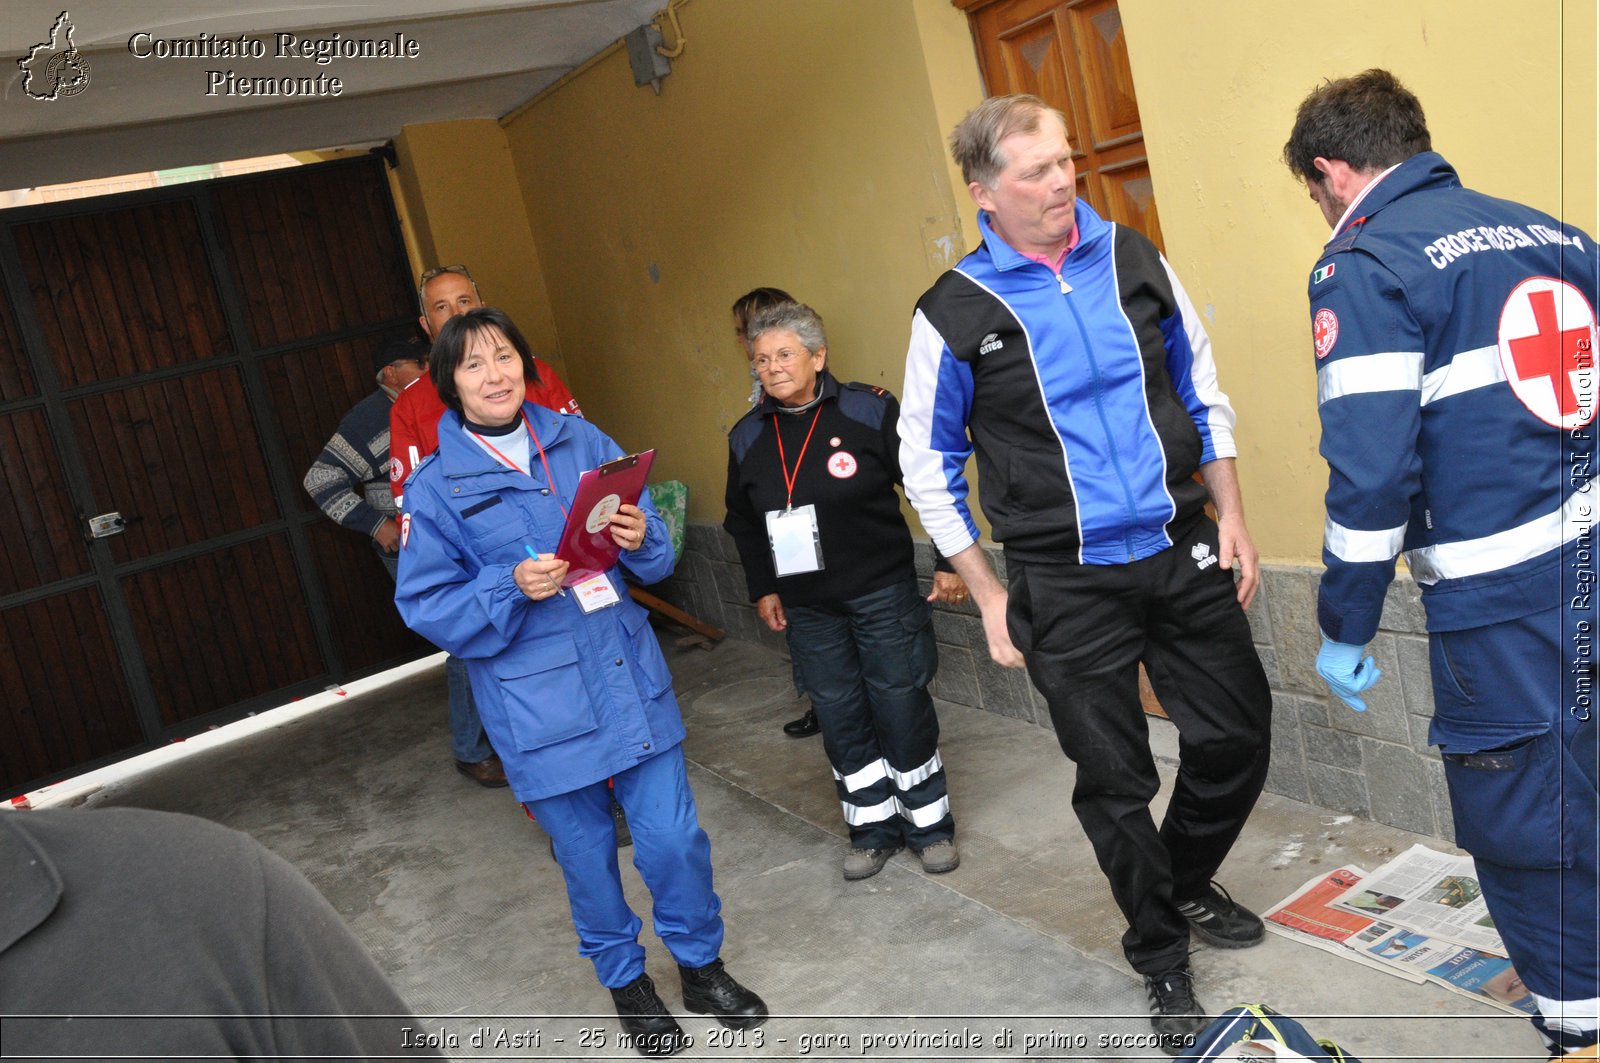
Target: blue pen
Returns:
[535, 555]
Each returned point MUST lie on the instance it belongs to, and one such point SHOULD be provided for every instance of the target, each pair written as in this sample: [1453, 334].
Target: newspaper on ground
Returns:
[1307, 915]
[1432, 892]
[1468, 971]
[1319, 914]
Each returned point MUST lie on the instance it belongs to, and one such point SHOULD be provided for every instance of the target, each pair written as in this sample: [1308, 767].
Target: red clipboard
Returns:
[586, 543]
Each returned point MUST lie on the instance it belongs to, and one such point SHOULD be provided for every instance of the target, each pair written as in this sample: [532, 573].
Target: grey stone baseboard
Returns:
[1376, 765]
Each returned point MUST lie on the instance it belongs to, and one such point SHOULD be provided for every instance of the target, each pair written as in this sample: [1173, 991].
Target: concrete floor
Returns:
[453, 889]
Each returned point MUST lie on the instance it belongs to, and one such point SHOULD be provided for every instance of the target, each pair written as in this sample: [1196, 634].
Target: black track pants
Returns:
[1083, 630]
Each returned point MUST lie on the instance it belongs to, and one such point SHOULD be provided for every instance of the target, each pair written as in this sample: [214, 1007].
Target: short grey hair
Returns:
[975, 142]
[797, 318]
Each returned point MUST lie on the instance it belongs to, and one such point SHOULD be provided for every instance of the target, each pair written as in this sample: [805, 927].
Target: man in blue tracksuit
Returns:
[1453, 337]
[1066, 353]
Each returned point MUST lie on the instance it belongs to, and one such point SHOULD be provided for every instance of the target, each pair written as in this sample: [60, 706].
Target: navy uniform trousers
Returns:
[1083, 630]
[867, 663]
[1514, 721]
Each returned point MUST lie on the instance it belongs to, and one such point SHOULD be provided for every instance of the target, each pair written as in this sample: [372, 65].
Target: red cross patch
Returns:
[405, 529]
[1547, 336]
[842, 465]
[1324, 331]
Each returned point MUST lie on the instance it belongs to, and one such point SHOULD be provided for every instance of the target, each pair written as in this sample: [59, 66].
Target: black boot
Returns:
[804, 727]
[710, 990]
[646, 1022]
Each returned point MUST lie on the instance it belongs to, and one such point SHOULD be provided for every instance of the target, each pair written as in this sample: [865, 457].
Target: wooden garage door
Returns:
[177, 358]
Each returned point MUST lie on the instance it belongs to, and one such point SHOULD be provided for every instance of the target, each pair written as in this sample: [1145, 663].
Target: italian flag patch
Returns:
[1322, 274]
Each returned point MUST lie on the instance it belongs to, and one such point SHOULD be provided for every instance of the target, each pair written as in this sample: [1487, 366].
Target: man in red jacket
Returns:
[446, 291]
[414, 421]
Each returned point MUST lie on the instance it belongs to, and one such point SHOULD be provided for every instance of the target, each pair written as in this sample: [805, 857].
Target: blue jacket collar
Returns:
[1091, 230]
[460, 456]
[1425, 171]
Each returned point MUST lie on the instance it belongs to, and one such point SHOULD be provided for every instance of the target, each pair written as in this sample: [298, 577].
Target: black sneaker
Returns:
[1175, 1013]
[1221, 921]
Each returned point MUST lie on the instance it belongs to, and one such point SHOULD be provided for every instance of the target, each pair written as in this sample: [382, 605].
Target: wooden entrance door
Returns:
[170, 363]
[1073, 55]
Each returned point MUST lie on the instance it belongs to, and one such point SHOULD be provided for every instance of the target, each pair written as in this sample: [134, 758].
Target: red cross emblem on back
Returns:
[1546, 338]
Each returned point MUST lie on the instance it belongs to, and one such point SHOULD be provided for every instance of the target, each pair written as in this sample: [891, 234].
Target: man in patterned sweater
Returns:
[349, 481]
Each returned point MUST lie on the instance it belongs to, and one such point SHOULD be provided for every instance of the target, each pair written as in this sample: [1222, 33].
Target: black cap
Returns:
[399, 348]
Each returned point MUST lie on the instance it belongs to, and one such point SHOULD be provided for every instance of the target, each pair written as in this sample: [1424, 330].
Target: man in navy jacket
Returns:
[1453, 338]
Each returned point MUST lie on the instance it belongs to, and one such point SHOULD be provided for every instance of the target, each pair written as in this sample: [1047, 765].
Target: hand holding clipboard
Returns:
[586, 541]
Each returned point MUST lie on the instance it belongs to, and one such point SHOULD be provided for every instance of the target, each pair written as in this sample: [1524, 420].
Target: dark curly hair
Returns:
[1370, 121]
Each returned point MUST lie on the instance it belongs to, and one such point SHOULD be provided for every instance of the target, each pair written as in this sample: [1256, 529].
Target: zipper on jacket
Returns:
[1105, 425]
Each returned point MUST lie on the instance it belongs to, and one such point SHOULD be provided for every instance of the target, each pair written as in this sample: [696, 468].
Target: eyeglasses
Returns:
[783, 360]
[439, 271]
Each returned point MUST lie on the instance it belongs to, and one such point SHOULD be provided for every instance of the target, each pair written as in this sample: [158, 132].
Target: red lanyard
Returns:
[551, 480]
[788, 477]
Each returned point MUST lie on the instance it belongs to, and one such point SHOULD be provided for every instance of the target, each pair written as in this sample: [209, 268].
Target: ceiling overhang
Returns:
[159, 84]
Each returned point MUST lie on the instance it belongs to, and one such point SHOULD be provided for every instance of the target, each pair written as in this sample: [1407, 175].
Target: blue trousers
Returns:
[467, 741]
[1514, 721]
[866, 664]
[670, 850]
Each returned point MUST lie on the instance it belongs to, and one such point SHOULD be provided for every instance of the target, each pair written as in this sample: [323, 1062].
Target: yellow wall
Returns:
[460, 198]
[801, 143]
[796, 143]
[1218, 85]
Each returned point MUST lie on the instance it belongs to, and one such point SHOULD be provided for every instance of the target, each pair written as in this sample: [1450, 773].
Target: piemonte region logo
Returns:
[55, 69]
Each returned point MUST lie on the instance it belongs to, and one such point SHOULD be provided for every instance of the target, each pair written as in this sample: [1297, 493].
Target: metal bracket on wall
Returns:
[644, 56]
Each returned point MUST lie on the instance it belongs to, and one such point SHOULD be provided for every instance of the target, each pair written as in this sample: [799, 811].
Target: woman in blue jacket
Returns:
[571, 694]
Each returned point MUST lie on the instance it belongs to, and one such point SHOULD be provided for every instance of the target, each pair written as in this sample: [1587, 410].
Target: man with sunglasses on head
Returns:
[442, 293]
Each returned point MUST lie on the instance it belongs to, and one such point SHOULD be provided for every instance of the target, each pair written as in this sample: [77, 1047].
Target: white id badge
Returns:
[796, 543]
[594, 593]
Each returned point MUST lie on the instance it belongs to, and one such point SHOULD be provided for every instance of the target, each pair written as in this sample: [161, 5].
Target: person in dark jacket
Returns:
[570, 682]
[751, 301]
[133, 934]
[1453, 340]
[827, 557]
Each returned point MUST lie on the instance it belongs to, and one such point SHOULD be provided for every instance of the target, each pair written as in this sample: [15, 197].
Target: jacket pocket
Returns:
[1504, 793]
[650, 668]
[496, 534]
[545, 697]
[1450, 675]
[1036, 493]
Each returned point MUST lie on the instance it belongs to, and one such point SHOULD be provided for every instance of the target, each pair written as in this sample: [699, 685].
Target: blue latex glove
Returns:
[1341, 667]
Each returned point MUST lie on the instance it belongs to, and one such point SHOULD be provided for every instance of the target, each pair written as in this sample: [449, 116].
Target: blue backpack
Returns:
[1218, 1043]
